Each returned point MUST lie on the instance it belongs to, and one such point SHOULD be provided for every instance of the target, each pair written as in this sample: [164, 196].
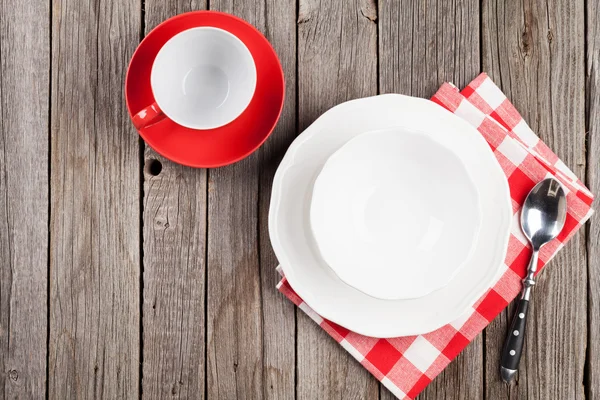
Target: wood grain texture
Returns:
[278, 317]
[534, 50]
[95, 200]
[24, 116]
[174, 287]
[423, 44]
[250, 327]
[593, 181]
[337, 61]
[234, 336]
[174, 248]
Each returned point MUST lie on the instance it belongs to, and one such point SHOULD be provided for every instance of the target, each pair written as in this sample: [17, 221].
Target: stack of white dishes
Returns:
[390, 216]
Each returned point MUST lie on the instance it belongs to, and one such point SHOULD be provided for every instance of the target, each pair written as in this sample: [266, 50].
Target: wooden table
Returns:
[124, 275]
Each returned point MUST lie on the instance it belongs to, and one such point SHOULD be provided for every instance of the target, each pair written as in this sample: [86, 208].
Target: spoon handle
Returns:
[513, 344]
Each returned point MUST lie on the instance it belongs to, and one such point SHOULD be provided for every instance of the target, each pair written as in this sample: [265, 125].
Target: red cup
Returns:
[206, 148]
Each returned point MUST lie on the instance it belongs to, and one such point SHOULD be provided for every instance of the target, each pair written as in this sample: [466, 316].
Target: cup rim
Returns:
[253, 72]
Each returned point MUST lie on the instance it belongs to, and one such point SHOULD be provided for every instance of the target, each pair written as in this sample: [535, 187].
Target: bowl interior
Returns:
[395, 214]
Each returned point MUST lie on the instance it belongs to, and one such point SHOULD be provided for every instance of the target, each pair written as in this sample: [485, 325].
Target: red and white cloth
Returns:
[406, 365]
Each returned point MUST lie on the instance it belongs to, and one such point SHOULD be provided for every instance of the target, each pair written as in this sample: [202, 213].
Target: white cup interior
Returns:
[203, 78]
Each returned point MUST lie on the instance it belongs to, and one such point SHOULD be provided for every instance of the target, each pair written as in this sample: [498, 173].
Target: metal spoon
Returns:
[542, 219]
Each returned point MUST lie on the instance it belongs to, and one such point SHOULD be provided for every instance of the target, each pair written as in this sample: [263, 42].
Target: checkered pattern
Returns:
[406, 365]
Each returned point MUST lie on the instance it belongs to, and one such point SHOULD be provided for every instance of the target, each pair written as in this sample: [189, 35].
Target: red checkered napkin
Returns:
[406, 365]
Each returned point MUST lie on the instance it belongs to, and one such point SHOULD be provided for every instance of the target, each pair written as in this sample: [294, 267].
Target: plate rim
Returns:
[289, 160]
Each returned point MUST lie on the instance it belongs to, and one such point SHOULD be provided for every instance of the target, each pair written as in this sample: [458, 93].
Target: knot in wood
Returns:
[526, 41]
[13, 375]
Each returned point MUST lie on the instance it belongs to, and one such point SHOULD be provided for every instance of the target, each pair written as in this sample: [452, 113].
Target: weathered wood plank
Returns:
[174, 268]
[422, 45]
[174, 248]
[534, 50]
[250, 347]
[279, 322]
[337, 61]
[24, 116]
[593, 181]
[95, 197]
[234, 336]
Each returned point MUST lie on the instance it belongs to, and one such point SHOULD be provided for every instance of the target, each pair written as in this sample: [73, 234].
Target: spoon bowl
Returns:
[544, 212]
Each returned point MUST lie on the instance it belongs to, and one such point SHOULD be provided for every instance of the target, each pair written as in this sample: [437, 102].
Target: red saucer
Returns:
[213, 147]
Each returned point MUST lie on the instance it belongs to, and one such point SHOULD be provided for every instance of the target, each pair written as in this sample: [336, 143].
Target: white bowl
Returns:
[203, 78]
[318, 285]
[395, 214]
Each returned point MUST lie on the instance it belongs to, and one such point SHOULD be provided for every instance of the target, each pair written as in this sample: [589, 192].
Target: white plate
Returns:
[395, 214]
[318, 285]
